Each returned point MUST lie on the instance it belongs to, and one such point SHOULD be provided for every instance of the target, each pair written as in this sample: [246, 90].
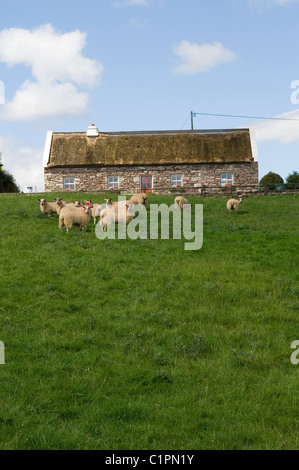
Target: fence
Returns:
[201, 191]
[232, 191]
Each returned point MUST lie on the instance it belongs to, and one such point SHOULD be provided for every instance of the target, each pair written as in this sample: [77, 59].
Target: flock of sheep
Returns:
[75, 213]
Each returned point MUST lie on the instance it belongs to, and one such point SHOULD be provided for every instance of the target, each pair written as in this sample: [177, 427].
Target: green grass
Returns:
[141, 345]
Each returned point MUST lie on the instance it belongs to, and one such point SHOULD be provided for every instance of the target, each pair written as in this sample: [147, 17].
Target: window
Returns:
[69, 184]
[176, 180]
[227, 179]
[113, 182]
[146, 182]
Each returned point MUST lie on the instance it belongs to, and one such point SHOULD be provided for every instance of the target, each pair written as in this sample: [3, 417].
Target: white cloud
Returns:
[58, 68]
[25, 164]
[41, 100]
[284, 132]
[201, 58]
[130, 3]
[262, 3]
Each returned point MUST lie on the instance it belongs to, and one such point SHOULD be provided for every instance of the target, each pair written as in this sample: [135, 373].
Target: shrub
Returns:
[271, 179]
[293, 180]
[7, 181]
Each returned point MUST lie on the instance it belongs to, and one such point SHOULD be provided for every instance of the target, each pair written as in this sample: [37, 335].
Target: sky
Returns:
[129, 65]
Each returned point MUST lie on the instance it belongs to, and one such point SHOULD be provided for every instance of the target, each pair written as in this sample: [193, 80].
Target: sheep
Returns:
[180, 201]
[48, 207]
[74, 204]
[59, 204]
[95, 212]
[74, 216]
[115, 212]
[140, 198]
[234, 204]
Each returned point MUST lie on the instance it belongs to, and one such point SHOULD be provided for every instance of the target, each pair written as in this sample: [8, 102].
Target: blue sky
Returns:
[144, 65]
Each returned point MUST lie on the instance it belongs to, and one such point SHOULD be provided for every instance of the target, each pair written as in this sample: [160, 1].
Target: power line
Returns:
[245, 117]
[185, 122]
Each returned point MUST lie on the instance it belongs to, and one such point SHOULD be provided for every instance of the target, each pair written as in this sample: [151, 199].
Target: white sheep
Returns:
[140, 198]
[74, 216]
[59, 204]
[234, 204]
[116, 212]
[48, 207]
[74, 204]
[180, 201]
[95, 212]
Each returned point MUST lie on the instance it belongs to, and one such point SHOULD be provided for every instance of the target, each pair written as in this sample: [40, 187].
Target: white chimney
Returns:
[92, 131]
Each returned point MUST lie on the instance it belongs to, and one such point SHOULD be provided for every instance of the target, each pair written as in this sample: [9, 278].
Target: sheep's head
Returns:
[58, 200]
[77, 203]
[108, 202]
[86, 210]
[88, 204]
[130, 209]
[42, 201]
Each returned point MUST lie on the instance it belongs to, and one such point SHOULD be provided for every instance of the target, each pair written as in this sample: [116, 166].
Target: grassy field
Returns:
[122, 344]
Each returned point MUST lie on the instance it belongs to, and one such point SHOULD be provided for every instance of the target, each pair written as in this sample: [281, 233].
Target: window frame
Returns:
[226, 180]
[115, 183]
[176, 176]
[70, 185]
[147, 182]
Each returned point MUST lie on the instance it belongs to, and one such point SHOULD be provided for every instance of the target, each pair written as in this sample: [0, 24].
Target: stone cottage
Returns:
[149, 160]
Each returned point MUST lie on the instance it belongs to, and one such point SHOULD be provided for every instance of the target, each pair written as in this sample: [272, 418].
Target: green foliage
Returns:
[293, 180]
[122, 344]
[271, 179]
[7, 181]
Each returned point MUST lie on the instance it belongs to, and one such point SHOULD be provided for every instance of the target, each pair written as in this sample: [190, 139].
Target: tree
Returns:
[271, 180]
[7, 181]
[293, 180]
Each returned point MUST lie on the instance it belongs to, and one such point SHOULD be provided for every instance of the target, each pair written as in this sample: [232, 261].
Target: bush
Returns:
[293, 180]
[7, 181]
[271, 180]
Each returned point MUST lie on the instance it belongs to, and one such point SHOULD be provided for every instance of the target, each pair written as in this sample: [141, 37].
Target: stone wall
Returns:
[193, 176]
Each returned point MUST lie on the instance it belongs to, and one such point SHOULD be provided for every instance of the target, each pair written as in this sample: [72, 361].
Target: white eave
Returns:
[47, 148]
[253, 144]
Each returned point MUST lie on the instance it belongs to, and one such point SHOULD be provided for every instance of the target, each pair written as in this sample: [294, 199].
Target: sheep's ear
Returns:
[39, 200]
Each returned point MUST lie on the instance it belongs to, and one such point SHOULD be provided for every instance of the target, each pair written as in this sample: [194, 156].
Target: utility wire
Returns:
[245, 117]
[187, 119]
